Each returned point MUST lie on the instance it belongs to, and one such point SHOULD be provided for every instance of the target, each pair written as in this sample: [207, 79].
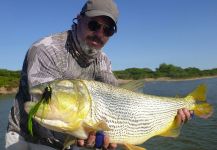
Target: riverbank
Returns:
[4, 90]
[121, 81]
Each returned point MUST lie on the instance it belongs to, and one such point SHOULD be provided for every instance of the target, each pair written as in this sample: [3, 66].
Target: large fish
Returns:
[77, 107]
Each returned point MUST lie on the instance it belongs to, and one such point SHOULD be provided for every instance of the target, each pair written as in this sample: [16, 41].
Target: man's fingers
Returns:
[99, 140]
[106, 142]
[91, 140]
[107, 145]
[181, 115]
[80, 143]
[184, 115]
[187, 113]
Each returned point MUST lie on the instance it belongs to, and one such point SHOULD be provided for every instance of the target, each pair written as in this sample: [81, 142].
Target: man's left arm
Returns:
[104, 71]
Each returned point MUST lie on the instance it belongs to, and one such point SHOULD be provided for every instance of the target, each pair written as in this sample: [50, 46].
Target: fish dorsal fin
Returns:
[134, 85]
[199, 93]
[132, 147]
[174, 129]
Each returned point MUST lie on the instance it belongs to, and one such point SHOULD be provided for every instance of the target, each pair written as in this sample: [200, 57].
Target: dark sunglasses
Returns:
[93, 25]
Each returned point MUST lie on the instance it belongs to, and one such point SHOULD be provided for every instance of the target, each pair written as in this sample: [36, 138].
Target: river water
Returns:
[197, 134]
[5, 106]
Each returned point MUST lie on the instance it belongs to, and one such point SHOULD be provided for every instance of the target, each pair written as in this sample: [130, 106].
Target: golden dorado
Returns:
[77, 107]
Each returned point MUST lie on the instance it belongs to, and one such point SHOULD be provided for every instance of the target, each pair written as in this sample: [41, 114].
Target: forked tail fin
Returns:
[202, 109]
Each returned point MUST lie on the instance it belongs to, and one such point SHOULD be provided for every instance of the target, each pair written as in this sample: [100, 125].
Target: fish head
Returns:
[65, 108]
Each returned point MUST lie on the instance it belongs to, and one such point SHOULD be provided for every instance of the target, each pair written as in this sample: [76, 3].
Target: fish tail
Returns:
[202, 109]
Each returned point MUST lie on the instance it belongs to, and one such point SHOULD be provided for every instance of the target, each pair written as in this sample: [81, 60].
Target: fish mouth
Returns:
[58, 125]
[43, 120]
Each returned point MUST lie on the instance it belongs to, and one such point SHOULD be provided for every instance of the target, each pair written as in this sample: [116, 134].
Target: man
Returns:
[73, 54]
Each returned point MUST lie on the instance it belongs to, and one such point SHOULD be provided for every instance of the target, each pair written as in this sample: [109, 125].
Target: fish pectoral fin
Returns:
[96, 127]
[174, 129]
[103, 126]
[132, 147]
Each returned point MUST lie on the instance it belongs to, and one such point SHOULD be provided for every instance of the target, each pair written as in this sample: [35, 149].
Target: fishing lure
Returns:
[46, 97]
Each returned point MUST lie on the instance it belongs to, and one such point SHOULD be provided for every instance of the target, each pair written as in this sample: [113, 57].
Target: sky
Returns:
[150, 32]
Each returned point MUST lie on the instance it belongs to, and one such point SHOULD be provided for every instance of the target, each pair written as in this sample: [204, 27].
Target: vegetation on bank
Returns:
[164, 70]
[10, 79]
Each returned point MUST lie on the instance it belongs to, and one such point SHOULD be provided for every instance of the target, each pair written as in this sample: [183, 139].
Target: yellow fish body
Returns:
[77, 107]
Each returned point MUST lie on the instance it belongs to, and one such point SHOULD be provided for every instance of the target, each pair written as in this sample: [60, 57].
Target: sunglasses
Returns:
[93, 25]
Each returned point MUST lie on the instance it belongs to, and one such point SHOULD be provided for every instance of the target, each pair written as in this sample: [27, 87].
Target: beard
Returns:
[88, 50]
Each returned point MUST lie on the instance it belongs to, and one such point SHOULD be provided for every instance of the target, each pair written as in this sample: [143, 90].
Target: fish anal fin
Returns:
[174, 129]
[132, 147]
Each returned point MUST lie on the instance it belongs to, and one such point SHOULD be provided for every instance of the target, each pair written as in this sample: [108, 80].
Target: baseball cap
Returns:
[93, 8]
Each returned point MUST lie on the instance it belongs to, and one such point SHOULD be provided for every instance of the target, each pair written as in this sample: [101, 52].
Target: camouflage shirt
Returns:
[54, 57]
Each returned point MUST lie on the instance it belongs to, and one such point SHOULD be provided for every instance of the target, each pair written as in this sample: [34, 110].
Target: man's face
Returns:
[94, 31]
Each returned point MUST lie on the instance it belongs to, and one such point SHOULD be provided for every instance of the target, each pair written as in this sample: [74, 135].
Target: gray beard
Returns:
[89, 51]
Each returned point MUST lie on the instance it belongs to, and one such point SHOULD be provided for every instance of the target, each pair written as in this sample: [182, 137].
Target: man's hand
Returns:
[93, 138]
[183, 115]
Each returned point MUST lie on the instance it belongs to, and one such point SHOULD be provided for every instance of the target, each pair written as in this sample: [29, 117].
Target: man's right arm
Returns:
[41, 65]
